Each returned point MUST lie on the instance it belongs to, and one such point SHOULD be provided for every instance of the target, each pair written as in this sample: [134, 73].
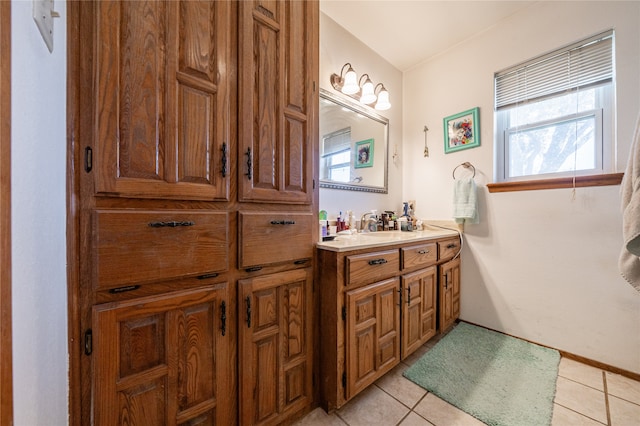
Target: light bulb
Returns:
[368, 96]
[350, 83]
[383, 100]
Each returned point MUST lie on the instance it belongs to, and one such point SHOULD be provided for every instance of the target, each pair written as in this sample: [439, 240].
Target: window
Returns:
[336, 158]
[554, 113]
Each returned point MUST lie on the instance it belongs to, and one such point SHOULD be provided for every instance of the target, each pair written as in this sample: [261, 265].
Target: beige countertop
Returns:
[385, 238]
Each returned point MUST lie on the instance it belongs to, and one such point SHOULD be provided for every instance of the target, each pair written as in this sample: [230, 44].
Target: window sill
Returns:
[580, 181]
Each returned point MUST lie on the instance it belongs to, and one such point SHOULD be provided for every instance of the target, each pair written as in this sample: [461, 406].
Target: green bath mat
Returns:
[500, 380]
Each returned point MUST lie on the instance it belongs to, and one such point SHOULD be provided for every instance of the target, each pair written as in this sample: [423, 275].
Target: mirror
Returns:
[354, 144]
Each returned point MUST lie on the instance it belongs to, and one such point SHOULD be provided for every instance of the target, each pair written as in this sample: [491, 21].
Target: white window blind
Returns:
[579, 65]
[337, 141]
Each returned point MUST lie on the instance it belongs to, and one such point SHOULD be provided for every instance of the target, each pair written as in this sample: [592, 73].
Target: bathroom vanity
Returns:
[382, 296]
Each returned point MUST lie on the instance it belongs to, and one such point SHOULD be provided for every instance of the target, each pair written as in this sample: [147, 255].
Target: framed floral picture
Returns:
[364, 153]
[461, 131]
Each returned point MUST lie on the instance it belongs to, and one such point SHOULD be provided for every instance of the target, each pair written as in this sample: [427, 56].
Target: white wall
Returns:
[38, 166]
[337, 47]
[541, 265]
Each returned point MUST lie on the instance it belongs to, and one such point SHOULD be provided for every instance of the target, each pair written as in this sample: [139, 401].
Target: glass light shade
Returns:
[383, 100]
[368, 96]
[350, 85]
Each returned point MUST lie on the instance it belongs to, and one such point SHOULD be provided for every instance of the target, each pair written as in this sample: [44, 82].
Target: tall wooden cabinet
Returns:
[275, 102]
[162, 99]
[193, 138]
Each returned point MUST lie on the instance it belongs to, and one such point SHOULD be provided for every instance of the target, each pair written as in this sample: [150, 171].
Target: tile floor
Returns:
[585, 396]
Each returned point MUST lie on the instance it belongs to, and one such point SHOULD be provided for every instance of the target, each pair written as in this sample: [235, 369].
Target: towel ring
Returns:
[466, 165]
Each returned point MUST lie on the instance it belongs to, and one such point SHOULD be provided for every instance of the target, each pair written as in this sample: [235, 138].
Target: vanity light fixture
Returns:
[362, 90]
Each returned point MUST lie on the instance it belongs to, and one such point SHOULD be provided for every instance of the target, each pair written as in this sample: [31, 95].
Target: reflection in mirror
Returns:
[353, 145]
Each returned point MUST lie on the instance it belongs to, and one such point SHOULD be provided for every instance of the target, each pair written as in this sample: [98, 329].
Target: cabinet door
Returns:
[162, 99]
[373, 333]
[275, 346]
[418, 309]
[449, 293]
[162, 360]
[277, 63]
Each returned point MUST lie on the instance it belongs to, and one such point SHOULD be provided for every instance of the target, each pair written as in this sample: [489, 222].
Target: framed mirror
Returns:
[354, 145]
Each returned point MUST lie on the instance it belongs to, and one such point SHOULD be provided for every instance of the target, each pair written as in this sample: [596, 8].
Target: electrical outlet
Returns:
[43, 14]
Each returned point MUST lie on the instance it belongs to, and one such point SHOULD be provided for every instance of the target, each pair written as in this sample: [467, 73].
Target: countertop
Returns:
[384, 238]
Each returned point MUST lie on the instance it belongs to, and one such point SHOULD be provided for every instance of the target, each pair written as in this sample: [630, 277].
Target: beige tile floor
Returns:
[585, 396]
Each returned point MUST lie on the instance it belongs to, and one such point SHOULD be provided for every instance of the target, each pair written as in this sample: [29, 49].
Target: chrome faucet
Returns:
[368, 223]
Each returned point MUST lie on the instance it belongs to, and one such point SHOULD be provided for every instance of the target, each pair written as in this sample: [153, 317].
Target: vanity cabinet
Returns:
[378, 305]
[449, 304]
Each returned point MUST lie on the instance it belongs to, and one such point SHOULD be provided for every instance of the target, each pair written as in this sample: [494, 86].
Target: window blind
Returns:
[586, 63]
[337, 141]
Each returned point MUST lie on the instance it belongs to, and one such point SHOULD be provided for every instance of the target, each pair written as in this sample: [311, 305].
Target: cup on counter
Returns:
[333, 229]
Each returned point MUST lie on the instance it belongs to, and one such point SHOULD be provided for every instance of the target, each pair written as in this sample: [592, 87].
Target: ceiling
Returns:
[408, 32]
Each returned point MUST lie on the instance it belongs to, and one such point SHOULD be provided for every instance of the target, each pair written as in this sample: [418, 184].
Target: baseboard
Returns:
[574, 357]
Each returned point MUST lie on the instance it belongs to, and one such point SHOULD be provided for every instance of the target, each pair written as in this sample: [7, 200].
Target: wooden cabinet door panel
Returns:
[162, 99]
[449, 302]
[418, 309]
[372, 333]
[277, 63]
[275, 346]
[162, 359]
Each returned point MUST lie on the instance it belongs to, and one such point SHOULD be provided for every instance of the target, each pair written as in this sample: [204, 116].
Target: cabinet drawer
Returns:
[140, 246]
[371, 267]
[419, 255]
[274, 237]
[448, 248]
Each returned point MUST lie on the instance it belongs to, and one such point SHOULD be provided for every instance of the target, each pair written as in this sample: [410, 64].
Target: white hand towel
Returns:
[629, 262]
[465, 201]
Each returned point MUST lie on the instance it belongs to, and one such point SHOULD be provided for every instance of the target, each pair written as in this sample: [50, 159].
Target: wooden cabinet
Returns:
[275, 346]
[449, 304]
[162, 99]
[419, 307]
[277, 100]
[162, 359]
[193, 130]
[377, 306]
[372, 333]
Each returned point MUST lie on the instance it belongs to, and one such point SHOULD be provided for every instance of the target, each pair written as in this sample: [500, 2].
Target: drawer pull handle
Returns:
[283, 222]
[300, 262]
[171, 224]
[452, 245]
[408, 295]
[206, 276]
[124, 289]
[378, 262]
[253, 269]
[423, 251]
